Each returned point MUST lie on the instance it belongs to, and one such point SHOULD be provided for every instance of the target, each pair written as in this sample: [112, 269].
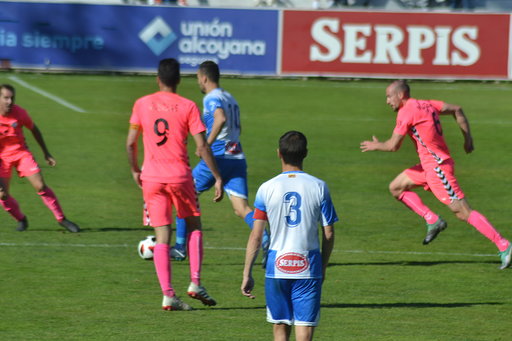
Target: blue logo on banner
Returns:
[157, 35]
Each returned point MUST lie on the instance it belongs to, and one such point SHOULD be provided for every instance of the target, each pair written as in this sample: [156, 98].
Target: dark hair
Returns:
[169, 72]
[293, 147]
[8, 87]
[211, 70]
[402, 86]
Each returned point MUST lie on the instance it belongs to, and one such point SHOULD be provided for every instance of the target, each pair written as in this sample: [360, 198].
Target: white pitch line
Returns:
[243, 249]
[46, 94]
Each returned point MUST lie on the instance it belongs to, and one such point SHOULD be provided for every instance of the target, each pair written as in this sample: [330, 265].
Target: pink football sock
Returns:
[413, 201]
[163, 268]
[478, 221]
[11, 206]
[195, 255]
[50, 200]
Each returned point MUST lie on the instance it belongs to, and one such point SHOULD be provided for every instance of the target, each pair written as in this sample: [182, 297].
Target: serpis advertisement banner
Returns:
[371, 44]
[135, 38]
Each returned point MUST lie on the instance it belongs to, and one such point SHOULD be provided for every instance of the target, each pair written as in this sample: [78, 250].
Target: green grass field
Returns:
[383, 284]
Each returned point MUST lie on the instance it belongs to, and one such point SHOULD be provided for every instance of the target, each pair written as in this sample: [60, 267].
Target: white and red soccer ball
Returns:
[146, 247]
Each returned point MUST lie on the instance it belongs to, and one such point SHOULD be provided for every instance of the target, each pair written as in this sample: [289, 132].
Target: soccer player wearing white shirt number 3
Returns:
[294, 203]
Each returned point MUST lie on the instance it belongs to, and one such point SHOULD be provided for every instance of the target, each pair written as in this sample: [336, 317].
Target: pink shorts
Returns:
[23, 162]
[439, 179]
[160, 198]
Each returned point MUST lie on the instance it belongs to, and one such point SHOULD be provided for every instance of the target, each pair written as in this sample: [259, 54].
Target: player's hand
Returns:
[50, 160]
[247, 286]
[219, 191]
[136, 178]
[468, 145]
[367, 146]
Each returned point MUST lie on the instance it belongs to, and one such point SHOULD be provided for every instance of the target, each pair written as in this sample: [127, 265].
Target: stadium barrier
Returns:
[271, 42]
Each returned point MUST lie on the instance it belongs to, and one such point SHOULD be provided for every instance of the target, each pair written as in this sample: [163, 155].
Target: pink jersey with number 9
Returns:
[166, 119]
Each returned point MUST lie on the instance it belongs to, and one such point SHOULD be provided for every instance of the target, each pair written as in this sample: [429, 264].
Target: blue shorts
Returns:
[232, 171]
[293, 301]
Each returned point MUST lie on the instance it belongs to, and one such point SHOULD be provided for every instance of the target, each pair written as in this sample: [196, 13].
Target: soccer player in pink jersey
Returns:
[14, 153]
[165, 120]
[420, 120]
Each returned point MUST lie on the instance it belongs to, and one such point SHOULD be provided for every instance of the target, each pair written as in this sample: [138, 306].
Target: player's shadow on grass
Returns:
[260, 307]
[123, 229]
[114, 229]
[413, 305]
[416, 263]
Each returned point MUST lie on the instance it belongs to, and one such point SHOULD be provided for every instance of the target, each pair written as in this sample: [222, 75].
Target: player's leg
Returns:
[244, 211]
[401, 188]
[187, 206]
[203, 181]
[304, 333]
[158, 204]
[47, 195]
[179, 250]
[464, 212]
[234, 174]
[161, 258]
[27, 167]
[9, 204]
[282, 332]
[50, 200]
[195, 247]
[279, 306]
[306, 294]
[195, 256]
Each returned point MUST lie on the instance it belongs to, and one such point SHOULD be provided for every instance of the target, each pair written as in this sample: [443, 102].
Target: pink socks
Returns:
[195, 255]
[50, 200]
[478, 221]
[11, 206]
[413, 201]
[163, 268]
[163, 264]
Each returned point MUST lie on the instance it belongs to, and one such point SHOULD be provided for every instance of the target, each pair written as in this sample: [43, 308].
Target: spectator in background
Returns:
[282, 3]
[462, 4]
[169, 2]
[341, 3]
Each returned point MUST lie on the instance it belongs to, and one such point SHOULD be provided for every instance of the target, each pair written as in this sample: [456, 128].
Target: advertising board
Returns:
[135, 38]
[378, 44]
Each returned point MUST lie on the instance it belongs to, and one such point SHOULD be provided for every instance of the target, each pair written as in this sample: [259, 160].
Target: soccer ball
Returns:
[146, 247]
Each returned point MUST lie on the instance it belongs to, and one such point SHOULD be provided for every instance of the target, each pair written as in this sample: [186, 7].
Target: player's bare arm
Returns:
[38, 136]
[219, 118]
[463, 123]
[327, 246]
[251, 253]
[132, 150]
[391, 145]
[203, 151]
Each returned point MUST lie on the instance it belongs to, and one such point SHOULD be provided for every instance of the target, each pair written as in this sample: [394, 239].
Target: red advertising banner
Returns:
[378, 44]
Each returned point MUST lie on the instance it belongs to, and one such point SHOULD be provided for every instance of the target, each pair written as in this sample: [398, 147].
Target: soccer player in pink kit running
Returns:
[420, 120]
[14, 153]
[165, 119]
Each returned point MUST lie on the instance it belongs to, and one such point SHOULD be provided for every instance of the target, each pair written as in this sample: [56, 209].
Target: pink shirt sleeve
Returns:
[25, 119]
[438, 105]
[134, 119]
